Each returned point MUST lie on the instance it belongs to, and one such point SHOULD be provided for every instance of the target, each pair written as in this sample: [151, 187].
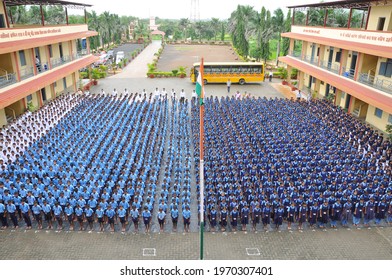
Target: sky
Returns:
[176, 9]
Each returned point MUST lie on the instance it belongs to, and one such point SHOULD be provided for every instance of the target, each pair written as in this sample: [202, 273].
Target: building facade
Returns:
[343, 51]
[39, 62]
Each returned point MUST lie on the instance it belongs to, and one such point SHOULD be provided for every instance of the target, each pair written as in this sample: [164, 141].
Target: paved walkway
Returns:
[138, 67]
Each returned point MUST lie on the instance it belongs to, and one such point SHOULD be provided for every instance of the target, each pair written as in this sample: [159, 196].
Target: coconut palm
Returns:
[278, 26]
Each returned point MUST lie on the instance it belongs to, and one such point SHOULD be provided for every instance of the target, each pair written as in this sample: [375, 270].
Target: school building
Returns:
[343, 52]
[39, 61]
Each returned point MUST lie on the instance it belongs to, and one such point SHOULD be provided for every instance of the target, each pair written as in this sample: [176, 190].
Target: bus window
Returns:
[226, 69]
[215, 69]
[207, 69]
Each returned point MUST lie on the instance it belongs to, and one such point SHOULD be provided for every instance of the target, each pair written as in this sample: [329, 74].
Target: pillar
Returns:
[322, 54]
[343, 61]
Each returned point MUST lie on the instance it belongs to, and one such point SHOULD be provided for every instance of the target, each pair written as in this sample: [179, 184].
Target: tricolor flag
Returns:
[199, 88]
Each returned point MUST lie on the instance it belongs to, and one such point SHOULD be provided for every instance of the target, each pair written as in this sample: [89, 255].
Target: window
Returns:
[29, 98]
[2, 21]
[378, 113]
[386, 68]
[338, 56]
[381, 23]
[318, 51]
[390, 118]
[22, 58]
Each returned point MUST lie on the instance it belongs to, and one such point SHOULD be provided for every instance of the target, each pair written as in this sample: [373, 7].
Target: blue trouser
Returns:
[356, 220]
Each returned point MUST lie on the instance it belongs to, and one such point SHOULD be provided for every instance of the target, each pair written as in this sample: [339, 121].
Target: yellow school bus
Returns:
[237, 72]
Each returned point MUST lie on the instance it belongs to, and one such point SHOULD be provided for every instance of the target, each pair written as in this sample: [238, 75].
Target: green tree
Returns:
[19, 14]
[214, 25]
[183, 26]
[278, 25]
[287, 28]
[55, 14]
[223, 31]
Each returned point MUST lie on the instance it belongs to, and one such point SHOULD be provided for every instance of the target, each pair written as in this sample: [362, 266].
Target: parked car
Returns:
[103, 58]
[110, 54]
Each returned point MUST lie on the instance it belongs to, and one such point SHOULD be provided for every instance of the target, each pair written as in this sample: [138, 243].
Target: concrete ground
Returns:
[342, 243]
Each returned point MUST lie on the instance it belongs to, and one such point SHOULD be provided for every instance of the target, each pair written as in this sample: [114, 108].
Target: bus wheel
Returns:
[205, 81]
[241, 81]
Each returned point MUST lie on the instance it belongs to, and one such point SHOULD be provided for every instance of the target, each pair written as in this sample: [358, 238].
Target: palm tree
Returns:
[183, 25]
[94, 24]
[279, 27]
[215, 24]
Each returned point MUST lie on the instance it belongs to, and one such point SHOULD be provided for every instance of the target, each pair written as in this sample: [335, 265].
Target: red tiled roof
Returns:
[25, 88]
[13, 46]
[356, 89]
[359, 47]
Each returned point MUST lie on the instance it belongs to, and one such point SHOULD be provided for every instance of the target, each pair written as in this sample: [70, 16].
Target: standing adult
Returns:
[228, 83]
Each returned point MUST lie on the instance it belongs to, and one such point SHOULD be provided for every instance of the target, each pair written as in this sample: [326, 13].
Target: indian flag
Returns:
[199, 88]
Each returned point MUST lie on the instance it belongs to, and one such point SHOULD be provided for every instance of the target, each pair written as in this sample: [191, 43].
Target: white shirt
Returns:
[173, 93]
[298, 94]
[194, 94]
[157, 93]
[114, 92]
[182, 94]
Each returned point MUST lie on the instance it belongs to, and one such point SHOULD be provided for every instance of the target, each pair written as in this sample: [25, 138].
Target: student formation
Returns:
[120, 161]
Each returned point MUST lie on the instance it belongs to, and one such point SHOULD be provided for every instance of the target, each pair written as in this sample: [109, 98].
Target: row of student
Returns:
[87, 216]
[158, 94]
[289, 151]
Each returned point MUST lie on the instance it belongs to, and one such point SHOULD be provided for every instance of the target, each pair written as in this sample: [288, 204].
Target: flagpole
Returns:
[201, 170]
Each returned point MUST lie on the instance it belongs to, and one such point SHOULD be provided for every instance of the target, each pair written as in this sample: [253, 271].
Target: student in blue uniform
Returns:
[381, 210]
[3, 215]
[47, 210]
[186, 215]
[244, 217]
[313, 214]
[336, 213]
[58, 214]
[69, 213]
[161, 219]
[324, 213]
[278, 216]
[370, 209]
[174, 216]
[121, 213]
[36, 209]
[358, 212]
[110, 213]
[11, 210]
[89, 215]
[256, 216]
[146, 214]
[79, 216]
[302, 215]
[25, 209]
[223, 218]
[266, 216]
[346, 212]
[234, 216]
[291, 214]
[213, 218]
[99, 214]
[135, 217]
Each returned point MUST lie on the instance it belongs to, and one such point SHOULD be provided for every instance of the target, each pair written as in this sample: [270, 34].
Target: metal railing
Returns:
[330, 66]
[26, 72]
[375, 82]
[7, 80]
[348, 73]
[56, 62]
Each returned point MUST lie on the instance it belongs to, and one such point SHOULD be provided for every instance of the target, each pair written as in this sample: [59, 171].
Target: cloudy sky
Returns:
[175, 9]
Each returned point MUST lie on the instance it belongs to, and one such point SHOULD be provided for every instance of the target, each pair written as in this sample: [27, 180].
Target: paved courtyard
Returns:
[373, 243]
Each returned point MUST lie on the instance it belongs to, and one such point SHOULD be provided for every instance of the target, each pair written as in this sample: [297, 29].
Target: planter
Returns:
[151, 76]
[285, 83]
[95, 82]
[182, 75]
